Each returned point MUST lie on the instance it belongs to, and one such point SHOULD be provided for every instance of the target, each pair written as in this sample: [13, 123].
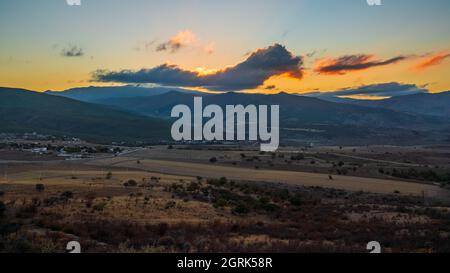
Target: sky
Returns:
[266, 46]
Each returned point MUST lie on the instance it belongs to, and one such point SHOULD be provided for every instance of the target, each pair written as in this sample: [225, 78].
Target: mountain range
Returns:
[424, 103]
[138, 113]
[95, 93]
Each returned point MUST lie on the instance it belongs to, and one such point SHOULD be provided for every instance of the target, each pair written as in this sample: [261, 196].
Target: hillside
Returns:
[26, 111]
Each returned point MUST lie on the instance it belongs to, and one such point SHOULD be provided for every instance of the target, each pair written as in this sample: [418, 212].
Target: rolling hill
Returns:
[26, 111]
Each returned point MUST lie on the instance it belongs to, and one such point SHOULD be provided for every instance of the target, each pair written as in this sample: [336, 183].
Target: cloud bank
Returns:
[251, 73]
[352, 63]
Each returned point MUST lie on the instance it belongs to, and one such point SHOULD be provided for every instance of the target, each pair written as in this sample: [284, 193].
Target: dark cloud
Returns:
[173, 47]
[73, 51]
[392, 89]
[351, 63]
[251, 73]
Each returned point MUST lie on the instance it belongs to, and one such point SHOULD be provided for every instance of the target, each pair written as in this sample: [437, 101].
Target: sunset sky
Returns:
[296, 46]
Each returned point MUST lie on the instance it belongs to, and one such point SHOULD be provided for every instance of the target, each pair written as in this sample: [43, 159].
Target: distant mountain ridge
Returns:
[94, 93]
[437, 104]
[306, 119]
[431, 104]
[294, 109]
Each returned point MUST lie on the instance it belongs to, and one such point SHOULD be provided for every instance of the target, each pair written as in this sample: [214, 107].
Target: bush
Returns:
[130, 183]
[99, 206]
[223, 180]
[241, 209]
[193, 187]
[166, 241]
[170, 204]
[220, 203]
[297, 157]
[67, 194]
[296, 201]
[108, 175]
[40, 187]
[2, 208]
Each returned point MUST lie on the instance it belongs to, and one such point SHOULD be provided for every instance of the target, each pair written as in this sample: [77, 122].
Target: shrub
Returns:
[100, 206]
[241, 209]
[130, 183]
[296, 201]
[40, 187]
[297, 157]
[108, 175]
[220, 203]
[223, 180]
[213, 160]
[162, 229]
[193, 187]
[166, 241]
[170, 204]
[2, 208]
[67, 194]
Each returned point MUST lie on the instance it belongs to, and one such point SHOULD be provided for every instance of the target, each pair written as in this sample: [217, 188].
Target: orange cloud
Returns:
[181, 39]
[432, 60]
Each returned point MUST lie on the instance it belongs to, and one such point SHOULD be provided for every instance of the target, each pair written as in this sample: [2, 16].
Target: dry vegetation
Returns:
[120, 204]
